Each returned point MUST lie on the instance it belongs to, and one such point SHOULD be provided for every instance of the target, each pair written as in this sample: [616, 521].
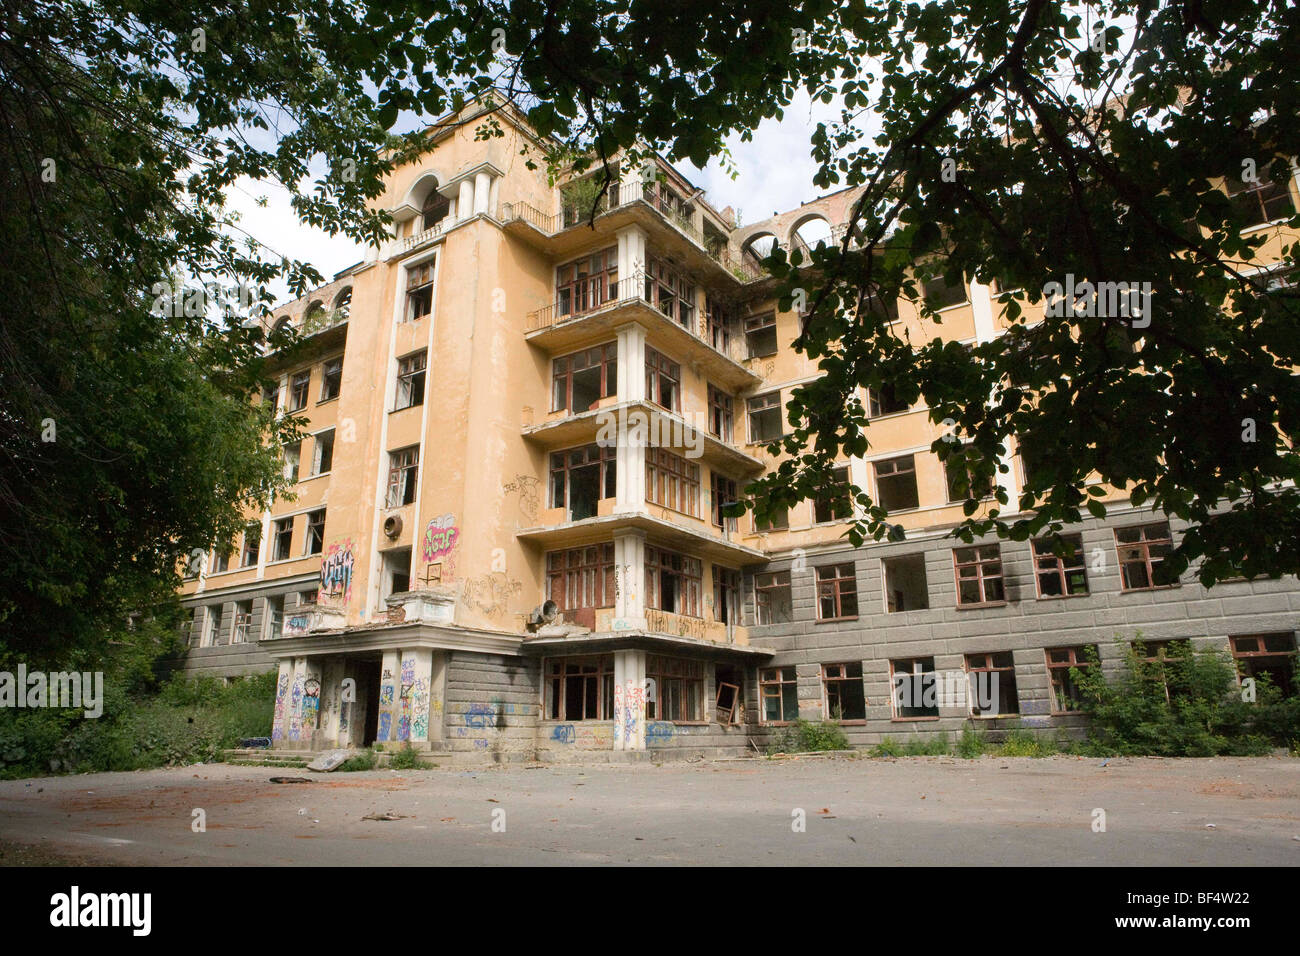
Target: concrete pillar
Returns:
[631, 363]
[629, 578]
[280, 716]
[482, 190]
[437, 697]
[332, 723]
[629, 700]
[631, 259]
[413, 695]
[390, 672]
[465, 201]
[311, 702]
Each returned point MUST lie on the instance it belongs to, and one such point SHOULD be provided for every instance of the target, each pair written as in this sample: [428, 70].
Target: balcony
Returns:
[568, 430]
[712, 544]
[397, 248]
[622, 205]
[561, 328]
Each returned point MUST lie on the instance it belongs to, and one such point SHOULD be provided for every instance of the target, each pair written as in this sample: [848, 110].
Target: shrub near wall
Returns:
[1187, 705]
[187, 721]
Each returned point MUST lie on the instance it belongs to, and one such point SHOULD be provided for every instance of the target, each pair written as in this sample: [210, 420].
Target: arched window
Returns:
[343, 304]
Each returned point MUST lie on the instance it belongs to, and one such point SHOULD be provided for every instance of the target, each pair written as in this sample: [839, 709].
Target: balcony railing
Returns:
[637, 289]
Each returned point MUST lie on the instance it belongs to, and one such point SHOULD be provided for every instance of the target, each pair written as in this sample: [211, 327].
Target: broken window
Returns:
[299, 385]
[884, 401]
[671, 293]
[1167, 662]
[915, 693]
[220, 559]
[760, 335]
[252, 543]
[765, 417]
[906, 588]
[397, 572]
[271, 396]
[663, 380]
[579, 580]
[580, 477]
[211, 635]
[581, 380]
[724, 494]
[673, 582]
[419, 291]
[961, 481]
[1066, 697]
[275, 617]
[1060, 575]
[777, 519]
[587, 283]
[726, 595]
[672, 481]
[718, 324]
[834, 503]
[1267, 655]
[721, 412]
[323, 455]
[291, 455]
[896, 483]
[778, 694]
[243, 622]
[992, 678]
[331, 378]
[315, 543]
[726, 705]
[435, 210]
[282, 539]
[940, 294]
[679, 689]
[843, 692]
[837, 593]
[1260, 202]
[403, 467]
[773, 598]
[979, 575]
[410, 380]
[580, 688]
[1142, 549]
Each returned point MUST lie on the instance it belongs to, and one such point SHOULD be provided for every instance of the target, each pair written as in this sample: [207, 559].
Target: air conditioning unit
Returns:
[543, 614]
[393, 526]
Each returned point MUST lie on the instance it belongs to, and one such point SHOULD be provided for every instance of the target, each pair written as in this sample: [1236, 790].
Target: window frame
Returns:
[687, 568]
[1056, 686]
[412, 368]
[1049, 563]
[331, 380]
[979, 562]
[660, 368]
[1144, 545]
[564, 367]
[784, 680]
[831, 682]
[403, 476]
[837, 583]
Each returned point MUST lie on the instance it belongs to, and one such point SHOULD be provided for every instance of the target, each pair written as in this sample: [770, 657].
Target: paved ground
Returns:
[927, 810]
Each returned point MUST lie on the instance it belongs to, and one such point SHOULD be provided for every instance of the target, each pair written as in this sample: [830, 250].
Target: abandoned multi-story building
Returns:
[508, 536]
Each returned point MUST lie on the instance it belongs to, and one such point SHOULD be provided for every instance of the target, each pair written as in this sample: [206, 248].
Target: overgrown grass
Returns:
[405, 759]
[186, 721]
[804, 736]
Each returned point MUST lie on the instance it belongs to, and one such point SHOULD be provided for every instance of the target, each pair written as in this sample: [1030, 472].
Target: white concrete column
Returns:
[629, 700]
[482, 191]
[332, 723]
[629, 578]
[981, 302]
[390, 672]
[631, 363]
[437, 697]
[311, 701]
[631, 260]
[465, 201]
[629, 492]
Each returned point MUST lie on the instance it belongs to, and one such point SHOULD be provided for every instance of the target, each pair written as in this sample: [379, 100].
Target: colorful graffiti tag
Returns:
[659, 731]
[480, 715]
[563, 734]
[336, 571]
[281, 692]
[440, 538]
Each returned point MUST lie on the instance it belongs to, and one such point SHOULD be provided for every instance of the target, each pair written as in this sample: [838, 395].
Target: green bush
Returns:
[1025, 743]
[971, 744]
[804, 736]
[888, 747]
[1186, 705]
[365, 760]
[186, 721]
[405, 759]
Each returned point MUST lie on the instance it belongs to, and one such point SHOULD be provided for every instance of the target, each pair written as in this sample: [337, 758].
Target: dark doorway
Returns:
[367, 676]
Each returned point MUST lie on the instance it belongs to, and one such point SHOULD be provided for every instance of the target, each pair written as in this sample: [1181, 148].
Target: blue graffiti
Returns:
[659, 731]
[480, 715]
[563, 734]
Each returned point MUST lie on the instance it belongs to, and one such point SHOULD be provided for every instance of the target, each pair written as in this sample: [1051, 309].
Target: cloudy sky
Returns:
[775, 173]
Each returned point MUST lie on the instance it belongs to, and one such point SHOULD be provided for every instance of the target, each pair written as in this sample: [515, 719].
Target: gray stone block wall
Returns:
[1025, 626]
[491, 705]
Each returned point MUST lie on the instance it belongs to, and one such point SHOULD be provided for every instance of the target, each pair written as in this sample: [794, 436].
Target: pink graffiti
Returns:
[336, 570]
[440, 537]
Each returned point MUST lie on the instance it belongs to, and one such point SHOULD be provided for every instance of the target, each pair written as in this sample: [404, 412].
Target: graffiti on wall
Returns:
[310, 704]
[665, 622]
[336, 571]
[529, 489]
[297, 624]
[660, 731]
[482, 715]
[492, 592]
[281, 692]
[295, 708]
[439, 544]
[385, 725]
[408, 684]
[420, 704]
